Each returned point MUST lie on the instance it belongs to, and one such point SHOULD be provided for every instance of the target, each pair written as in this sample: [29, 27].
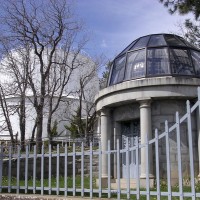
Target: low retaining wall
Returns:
[53, 167]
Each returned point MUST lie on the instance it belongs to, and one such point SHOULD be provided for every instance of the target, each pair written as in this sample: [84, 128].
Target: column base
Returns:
[104, 182]
[143, 181]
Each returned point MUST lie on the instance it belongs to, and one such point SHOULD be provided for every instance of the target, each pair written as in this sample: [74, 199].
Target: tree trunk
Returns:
[22, 122]
[33, 135]
[39, 130]
[49, 128]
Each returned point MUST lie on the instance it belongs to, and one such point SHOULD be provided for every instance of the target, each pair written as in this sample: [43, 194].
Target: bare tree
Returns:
[15, 65]
[83, 114]
[6, 112]
[45, 26]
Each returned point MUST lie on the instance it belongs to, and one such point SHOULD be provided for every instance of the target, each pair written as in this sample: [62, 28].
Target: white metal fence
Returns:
[72, 181]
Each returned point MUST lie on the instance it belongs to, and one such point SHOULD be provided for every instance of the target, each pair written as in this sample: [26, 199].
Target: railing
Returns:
[63, 171]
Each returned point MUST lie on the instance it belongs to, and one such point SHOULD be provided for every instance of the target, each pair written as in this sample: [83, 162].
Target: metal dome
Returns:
[156, 55]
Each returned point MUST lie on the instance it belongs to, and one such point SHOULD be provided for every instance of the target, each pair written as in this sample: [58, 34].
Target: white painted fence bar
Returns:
[49, 177]
[178, 138]
[118, 171]
[74, 174]
[137, 169]
[26, 170]
[109, 174]
[18, 168]
[168, 160]
[9, 169]
[100, 169]
[34, 171]
[58, 168]
[80, 163]
[147, 168]
[189, 126]
[42, 171]
[65, 173]
[127, 169]
[91, 170]
[1, 167]
[157, 165]
[82, 169]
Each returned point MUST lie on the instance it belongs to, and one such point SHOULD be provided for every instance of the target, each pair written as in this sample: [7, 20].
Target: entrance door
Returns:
[130, 129]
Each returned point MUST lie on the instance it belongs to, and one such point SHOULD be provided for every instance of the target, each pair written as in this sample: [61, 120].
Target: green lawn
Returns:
[87, 185]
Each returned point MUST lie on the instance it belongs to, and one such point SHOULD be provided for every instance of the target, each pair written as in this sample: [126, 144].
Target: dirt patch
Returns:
[36, 197]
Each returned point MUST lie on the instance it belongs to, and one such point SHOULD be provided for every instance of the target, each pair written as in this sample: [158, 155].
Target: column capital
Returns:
[105, 112]
[144, 102]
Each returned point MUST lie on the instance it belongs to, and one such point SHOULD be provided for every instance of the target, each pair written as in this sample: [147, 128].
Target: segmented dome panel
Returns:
[156, 55]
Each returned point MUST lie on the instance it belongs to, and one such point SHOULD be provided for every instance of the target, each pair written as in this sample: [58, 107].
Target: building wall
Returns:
[162, 110]
[165, 110]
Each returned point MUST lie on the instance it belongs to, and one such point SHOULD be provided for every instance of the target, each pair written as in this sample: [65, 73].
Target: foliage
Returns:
[192, 33]
[77, 125]
[54, 129]
[107, 69]
[183, 6]
[105, 75]
[191, 30]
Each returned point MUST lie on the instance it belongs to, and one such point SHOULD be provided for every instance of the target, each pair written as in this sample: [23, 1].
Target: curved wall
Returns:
[154, 88]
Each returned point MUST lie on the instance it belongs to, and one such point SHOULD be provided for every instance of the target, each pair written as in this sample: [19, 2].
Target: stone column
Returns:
[105, 136]
[145, 128]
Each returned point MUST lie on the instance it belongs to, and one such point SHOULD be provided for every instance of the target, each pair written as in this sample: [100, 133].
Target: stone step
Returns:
[123, 183]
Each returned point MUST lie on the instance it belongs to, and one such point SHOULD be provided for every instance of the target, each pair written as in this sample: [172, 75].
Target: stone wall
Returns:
[53, 167]
[165, 110]
[162, 110]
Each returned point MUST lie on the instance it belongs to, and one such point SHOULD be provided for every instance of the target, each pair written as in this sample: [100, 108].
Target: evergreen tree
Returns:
[183, 6]
[77, 125]
[191, 28]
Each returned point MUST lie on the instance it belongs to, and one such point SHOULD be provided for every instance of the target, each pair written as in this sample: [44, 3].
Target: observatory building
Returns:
[149, 81]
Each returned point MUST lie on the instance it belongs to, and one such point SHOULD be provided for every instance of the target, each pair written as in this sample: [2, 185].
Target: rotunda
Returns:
[148, 82]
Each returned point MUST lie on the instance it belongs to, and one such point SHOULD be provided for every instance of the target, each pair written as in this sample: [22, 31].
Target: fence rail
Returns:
[74, 171]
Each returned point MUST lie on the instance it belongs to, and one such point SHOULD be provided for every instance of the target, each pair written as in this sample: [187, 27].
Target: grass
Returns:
[87, 186]
[53, 182]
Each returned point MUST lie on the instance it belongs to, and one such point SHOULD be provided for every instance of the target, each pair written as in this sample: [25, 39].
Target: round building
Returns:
[148, 82]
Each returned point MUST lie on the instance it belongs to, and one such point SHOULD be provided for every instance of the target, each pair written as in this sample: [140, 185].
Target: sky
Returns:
[114, 24]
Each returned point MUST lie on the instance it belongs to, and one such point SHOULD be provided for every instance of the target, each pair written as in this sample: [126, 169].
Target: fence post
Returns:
[58, 171]
[50, 159]
[42, 170]
[168, 160]
[100, 169]
[137, 168]
[189, 126]
[9, 169]
[91, 182]
[157, 165]
[34, 169]
[82, 170]
[74, 168]
[118, 171]
[109, 174]
[26, 169]
[198, 127]
[147, 167]
[66, 157]
[1, 166]
[18, 168]
[178, 138]
[127, 169]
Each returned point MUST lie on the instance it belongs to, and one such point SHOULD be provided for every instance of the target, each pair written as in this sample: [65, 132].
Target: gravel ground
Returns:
[39, 197]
